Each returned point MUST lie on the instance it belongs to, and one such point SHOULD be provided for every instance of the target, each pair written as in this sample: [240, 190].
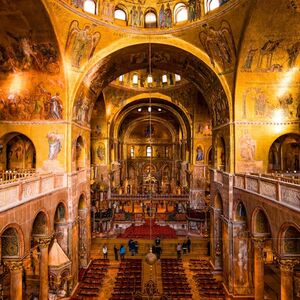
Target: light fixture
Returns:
[159, 109]
[139, 109]
[149, 110]
[121, 78]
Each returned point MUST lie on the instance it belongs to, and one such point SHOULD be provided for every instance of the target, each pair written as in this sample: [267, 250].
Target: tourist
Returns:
[188, 244]
[105, 251]
[136, 247]
[158, 251]
[122, 252]
[178, 248]
[116, 250]
[157, 241]
[131, 246]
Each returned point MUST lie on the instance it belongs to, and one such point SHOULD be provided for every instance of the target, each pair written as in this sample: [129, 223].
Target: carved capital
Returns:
[259, 244]
[44, 241]
[287, 265]
[14, 265]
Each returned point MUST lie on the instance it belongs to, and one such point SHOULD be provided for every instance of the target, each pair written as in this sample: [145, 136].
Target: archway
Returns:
[19, 153]
[80, 153]
[61, 227]
[284, 154]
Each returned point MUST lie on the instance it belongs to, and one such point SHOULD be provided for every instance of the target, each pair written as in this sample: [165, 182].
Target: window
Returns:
[132, 152]
[180, 13]
[177, 77]
[121, 78]
[135, 79]
[89, 6]
[120, 14]
[211, 5]
[150, 19]
[149, 151]
[164, 78]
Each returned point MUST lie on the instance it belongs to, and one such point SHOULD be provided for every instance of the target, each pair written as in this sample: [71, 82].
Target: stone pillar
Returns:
[16, 268]
[259, 268]
[286, 275]
[44, 284]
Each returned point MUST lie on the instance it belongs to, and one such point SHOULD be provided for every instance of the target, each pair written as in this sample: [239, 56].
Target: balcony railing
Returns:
[18, 190]
[15, 175]
[282, 189]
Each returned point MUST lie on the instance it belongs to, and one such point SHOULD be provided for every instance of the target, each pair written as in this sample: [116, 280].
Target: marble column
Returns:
[44, 284]
[286, 275]
[259, 268]
[16, 268]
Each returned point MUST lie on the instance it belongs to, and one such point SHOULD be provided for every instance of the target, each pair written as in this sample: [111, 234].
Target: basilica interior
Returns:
[169, 125]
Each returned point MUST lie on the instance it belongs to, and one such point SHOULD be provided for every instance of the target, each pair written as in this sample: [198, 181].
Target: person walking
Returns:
[122, 252]
[178, 248]
[105, 251]
[188, 244]
[116, 251]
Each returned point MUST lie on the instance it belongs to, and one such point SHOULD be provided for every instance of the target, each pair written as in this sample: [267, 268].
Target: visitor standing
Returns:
[178, 248]
[116, 251]
[122, 252]
[157, 241]
[105, 251]
[188, 244]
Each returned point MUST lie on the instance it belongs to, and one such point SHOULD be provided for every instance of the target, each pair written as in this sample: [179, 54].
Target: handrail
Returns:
[7, 176]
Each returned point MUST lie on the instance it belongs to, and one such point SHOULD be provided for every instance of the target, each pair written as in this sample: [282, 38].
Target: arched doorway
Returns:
[284, 154]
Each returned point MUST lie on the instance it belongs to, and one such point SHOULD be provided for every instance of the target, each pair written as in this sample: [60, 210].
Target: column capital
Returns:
[14, 265]
[259, 242]
[44, 241]
[287, 264]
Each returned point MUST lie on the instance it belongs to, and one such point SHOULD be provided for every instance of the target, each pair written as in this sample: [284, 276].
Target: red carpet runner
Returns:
[143, 231]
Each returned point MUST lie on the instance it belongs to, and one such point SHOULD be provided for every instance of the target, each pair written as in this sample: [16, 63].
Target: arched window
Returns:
[132, 152]
[150, 19]
[164, 78]
[120, 14]
[149, 151]
[135, 79]
[180, 12]
[89, 6]
[177, 77]
[211, 5]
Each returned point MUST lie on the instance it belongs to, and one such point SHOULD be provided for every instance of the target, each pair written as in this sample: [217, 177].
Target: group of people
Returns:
[120, 252]
[133, 246]
[183, 248]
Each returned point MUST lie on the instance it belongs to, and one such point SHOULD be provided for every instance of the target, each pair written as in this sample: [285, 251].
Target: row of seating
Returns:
[129, 279]
[174, 280]
[208, 286]
[92, 279]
